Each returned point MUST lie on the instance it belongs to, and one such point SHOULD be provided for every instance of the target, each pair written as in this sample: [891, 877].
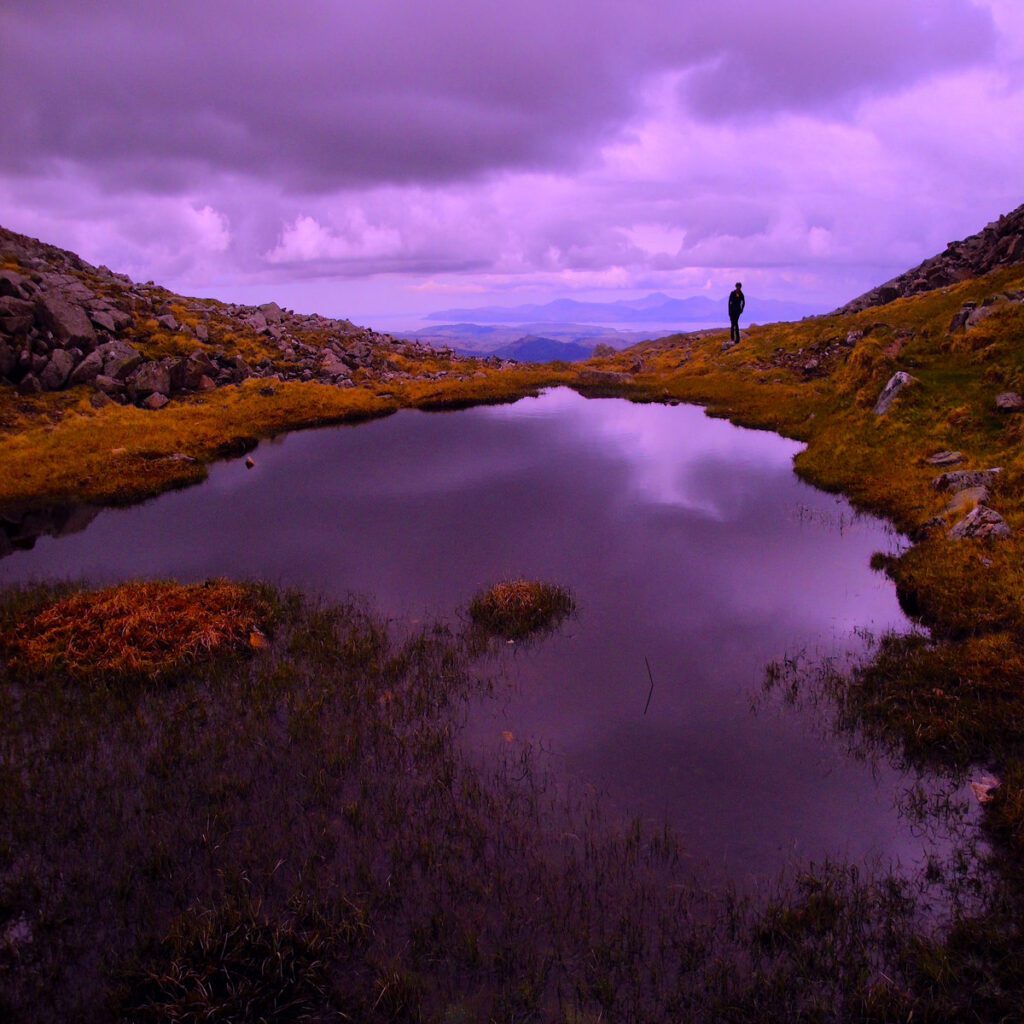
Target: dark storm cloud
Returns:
[321, 95]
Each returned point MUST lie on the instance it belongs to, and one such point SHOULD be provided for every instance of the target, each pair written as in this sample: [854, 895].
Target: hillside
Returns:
[64, 322]
[999, 244]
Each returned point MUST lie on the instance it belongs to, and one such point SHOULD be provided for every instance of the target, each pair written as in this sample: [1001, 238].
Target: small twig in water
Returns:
[650, 692]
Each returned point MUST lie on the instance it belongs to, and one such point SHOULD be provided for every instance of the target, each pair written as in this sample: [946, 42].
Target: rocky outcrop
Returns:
[999, 244]
[65, 323]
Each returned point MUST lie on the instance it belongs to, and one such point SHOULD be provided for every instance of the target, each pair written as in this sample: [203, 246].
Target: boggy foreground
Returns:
[420, 934]
[280, 825]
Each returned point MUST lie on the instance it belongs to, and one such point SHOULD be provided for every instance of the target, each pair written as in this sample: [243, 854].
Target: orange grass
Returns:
[137, 628]
[516, 608]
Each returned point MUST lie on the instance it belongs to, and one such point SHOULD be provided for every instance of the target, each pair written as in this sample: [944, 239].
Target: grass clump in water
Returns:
[515, 609]
[133, 629]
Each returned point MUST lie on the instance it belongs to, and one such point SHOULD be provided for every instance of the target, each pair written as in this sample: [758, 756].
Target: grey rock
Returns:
[332, 366]
[959, 321]
[103, 320]
[29, 385]
[149, 379]
[187, 373]
[65, 319]
[982, 523]
[1009, 401]
[108, 385]
[13, 284]
[205, 383]
[16, 315]
[976, 316]
[944, 458]
[167, 322]
[961, 479]
[202, 333]
[56, 372]
[258, 322]
[119, 358]
[154, 402]
[88, 369]
[898, 383]
[272, 312]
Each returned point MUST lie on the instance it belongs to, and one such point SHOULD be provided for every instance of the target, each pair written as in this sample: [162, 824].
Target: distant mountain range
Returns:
[656, 308]
[535, 343]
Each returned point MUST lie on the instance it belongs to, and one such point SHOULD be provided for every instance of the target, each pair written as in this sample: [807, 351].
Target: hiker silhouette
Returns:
[737, 300]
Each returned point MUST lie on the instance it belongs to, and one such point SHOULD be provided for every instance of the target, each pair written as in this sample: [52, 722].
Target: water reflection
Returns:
[687, 542]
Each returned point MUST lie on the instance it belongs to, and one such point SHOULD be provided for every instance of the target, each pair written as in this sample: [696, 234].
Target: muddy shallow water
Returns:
[689, 544]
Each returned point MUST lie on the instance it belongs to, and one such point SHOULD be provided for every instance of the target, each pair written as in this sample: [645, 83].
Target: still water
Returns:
[689, 544]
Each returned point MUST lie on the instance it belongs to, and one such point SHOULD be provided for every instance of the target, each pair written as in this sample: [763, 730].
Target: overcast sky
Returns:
[370, 157]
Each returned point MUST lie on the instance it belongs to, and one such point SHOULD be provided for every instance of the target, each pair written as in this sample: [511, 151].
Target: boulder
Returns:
[187, 373]
[334, 367]
[898, 383]
[944, 458]
[167, 322]
[1009, 401]
[108, 385]
[205, 383]
[13, 284]
[982, 313]
[16, 315]
[272, 312]
[981, 523]
[119, 358]
[149, 379]
[29, 385]
[961, 479]
[202, 333]
[258, 322]
[102, 319]
[57, 370]
[65, 319]
[959, 321]
[88, 369]
[154, 402]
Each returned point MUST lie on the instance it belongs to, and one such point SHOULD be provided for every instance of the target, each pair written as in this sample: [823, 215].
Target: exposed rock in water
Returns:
[981, 523]
[961, 479]
[898, 382]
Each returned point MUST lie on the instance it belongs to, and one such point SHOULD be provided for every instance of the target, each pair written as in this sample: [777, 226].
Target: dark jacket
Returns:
[737, 300]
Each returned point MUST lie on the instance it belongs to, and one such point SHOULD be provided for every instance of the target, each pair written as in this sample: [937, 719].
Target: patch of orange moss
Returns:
[137, 629]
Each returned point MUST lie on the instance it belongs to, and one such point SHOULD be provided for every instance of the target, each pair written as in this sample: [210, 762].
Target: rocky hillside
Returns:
[64, 322]
[999, 244]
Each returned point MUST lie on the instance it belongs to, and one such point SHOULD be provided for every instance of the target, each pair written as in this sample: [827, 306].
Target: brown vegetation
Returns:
[135, 629]
[515, 609]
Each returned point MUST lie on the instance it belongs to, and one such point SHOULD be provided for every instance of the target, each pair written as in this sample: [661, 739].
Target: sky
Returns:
[380, 159]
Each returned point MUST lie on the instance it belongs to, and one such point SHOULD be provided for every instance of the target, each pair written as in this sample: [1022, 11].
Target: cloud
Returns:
[321, 95]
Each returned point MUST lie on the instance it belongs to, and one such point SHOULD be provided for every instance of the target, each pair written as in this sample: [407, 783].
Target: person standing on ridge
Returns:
[737, 300]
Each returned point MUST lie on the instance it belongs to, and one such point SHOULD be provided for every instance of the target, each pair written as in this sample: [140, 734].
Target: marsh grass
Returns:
[516, 609]
[298, 835]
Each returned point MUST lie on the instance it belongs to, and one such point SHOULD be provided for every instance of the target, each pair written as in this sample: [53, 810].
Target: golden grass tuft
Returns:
[516, 608]
[137, 628]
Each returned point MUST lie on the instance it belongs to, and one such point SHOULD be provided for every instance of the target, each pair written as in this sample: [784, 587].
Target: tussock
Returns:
[136, 628]
[516, 608]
